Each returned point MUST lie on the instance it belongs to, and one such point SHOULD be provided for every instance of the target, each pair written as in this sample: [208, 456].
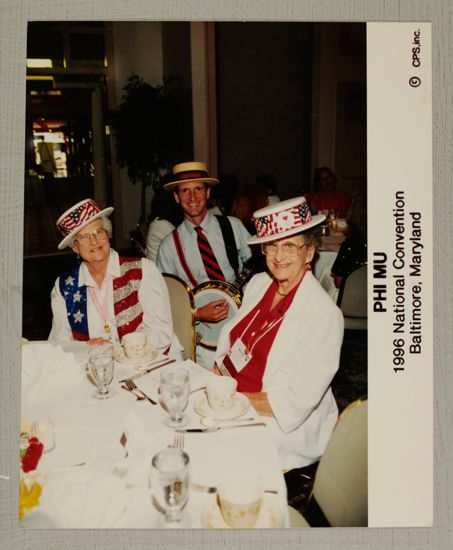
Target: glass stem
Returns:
[176, 416]
[173, 515]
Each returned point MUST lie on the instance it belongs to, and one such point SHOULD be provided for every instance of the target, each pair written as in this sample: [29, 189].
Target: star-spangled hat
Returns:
[77, 217]
[283, 219]
[190, 171]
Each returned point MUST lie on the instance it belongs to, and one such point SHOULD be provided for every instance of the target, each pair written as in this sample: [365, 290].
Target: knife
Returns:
[154, 367]
[216, 428]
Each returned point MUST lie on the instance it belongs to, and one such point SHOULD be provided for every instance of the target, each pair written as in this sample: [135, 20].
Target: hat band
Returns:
[283, 221]
[77, 217]
[193, 174]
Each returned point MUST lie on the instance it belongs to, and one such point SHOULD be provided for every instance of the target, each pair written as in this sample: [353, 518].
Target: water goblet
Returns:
[101, 370]
[104, 349]
[174, 390]
[169, 481]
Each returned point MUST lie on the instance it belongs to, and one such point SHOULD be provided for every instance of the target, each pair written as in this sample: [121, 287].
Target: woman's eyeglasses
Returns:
[100, 235]
[289, 249]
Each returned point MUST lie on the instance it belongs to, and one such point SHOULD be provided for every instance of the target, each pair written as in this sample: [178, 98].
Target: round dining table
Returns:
[97, 474]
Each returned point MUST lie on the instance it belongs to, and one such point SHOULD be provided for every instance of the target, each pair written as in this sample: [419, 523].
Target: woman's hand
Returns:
[260, 403]
[98, 341]
[215, 369]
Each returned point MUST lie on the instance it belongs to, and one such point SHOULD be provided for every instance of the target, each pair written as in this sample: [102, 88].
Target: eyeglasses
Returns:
[289, 249]
[99, 234]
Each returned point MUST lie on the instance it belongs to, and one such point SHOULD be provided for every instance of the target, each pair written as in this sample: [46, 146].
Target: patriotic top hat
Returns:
[190, 171]
[77, 217]
[283, 219]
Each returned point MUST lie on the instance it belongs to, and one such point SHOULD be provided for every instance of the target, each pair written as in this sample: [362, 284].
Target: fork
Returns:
[139, 397]
[131, 385]
[178, 442]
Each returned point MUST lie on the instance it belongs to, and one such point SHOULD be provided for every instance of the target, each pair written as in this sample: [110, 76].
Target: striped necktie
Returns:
[211, 265]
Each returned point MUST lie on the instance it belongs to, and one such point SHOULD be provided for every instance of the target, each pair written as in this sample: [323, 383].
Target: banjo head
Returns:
[207, 292]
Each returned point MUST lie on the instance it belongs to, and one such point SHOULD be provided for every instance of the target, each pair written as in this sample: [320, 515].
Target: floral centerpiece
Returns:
[31, 450]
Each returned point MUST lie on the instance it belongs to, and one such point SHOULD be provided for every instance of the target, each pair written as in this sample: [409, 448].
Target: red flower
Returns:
[32, 454]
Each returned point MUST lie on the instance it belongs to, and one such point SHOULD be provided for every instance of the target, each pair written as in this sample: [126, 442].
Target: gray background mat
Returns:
[13, 20]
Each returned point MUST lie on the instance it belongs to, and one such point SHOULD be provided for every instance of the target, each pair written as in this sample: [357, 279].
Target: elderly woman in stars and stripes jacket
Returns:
[107, 296]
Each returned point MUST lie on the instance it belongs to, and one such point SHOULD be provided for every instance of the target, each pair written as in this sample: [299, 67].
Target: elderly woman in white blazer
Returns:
[283, 346]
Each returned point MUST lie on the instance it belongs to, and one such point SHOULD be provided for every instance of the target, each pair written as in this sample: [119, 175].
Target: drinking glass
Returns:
[104, 349]
[169, 480]
[101, 370]
[174, 390]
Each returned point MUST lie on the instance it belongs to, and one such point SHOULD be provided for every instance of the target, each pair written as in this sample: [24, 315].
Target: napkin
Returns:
[138, 440]
[140, 446]
[46, 366]
[86, 498]
[150, 382]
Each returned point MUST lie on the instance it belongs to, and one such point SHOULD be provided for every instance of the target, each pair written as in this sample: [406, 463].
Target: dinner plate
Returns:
[240, 406]
[269, 517]
[121, 357]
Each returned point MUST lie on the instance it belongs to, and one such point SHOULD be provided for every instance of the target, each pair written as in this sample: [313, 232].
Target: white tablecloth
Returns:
[89, 430]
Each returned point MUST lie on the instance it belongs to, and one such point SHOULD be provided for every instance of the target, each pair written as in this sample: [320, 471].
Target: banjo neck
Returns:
[241, 279]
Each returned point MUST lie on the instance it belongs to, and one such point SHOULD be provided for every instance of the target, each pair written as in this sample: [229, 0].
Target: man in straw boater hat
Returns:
[107, 296]
[203, 247]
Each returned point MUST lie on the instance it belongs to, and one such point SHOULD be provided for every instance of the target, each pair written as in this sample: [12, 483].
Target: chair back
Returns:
[182, 308]
[296, 519]
[341, 482]
[352, 299]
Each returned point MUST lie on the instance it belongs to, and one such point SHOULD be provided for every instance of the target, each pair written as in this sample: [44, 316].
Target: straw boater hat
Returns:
[283, 219]
[190, 171]
[77, 217]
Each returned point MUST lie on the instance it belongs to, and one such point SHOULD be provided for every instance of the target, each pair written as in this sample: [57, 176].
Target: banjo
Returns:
[208, 333]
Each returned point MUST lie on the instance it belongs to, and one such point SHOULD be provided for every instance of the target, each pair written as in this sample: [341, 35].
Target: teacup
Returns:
[240, 499]
[134, 345]
[220, 391]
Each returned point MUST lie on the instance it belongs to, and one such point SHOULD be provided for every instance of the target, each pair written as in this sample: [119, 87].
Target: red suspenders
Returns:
[182, 258]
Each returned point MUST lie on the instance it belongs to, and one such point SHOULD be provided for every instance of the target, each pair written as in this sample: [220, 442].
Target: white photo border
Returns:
[12, 123]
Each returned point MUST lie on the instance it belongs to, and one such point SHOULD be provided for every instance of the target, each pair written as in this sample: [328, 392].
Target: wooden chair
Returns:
[341, 483]
[352, 299]
[296, 519]
[182, 312]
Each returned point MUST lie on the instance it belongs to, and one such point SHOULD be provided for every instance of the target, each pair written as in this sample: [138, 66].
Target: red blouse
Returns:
[257, 331]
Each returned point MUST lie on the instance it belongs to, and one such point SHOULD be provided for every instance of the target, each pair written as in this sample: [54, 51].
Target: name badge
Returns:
[238, 355]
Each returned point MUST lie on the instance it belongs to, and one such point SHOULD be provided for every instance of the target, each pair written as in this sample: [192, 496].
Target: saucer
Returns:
[240, 406]
[269, 517]
[121, 357]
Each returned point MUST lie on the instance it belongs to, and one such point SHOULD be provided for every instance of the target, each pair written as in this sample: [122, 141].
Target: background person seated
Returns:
[325, 195]
[353, 251]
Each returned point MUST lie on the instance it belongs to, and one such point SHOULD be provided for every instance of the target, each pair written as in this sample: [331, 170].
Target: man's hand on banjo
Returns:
[213, 312]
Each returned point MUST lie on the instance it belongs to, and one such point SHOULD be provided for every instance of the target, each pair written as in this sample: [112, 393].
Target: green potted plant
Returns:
[145, 129]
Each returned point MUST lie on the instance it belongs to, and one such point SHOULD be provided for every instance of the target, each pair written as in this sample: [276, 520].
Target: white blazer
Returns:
[303, 359]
